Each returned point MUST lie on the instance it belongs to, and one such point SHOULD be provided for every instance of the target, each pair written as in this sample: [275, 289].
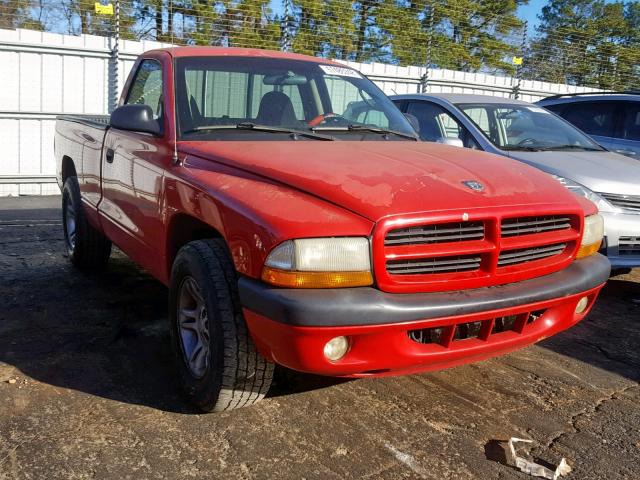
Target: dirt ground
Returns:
[86, 390]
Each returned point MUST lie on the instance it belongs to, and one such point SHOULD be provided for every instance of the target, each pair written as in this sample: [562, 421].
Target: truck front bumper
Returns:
[387, 331]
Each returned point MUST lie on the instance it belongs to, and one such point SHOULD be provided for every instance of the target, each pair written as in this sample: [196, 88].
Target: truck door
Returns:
[132, 175]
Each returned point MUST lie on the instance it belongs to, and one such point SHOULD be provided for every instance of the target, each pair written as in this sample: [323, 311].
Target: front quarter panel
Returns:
[251, 213]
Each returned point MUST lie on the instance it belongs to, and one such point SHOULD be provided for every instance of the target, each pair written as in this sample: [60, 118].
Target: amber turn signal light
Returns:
[293, 279]
[588, 250]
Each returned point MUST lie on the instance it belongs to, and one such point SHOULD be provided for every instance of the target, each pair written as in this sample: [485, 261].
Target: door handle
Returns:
[625, 152]
[110, 154]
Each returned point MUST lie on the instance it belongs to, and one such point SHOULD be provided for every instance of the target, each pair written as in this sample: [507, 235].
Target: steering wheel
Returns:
[322, 118]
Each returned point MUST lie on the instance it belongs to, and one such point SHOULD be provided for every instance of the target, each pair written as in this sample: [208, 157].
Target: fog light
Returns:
[336, 348]
[582, 305]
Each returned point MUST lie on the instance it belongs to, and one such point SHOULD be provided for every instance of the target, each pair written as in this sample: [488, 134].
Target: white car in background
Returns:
[533, 135]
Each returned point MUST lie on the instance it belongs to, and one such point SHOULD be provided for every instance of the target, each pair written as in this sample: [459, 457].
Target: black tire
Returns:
[619, 271]
[234, 374]
[88, 249]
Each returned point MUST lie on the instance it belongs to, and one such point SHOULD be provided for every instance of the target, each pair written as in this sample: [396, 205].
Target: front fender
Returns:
[251, 213]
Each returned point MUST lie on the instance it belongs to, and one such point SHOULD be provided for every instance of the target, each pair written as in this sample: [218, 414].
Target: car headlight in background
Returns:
[583, 191]
[592, 235]
[319, 263]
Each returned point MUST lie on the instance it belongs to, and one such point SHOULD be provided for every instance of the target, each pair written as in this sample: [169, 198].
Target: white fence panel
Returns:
[46, 74]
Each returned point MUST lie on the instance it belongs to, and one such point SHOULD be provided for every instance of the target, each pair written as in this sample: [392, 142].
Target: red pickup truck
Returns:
[297, 220]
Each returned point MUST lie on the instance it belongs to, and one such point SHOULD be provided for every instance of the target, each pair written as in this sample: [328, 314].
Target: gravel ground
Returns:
[86, 390]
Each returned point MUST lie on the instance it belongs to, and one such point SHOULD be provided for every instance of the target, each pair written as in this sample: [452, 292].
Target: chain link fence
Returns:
[467, 36]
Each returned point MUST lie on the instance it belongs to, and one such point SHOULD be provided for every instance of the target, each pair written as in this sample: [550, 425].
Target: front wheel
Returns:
[218, 364]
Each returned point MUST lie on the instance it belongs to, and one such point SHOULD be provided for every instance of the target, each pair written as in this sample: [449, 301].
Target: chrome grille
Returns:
[436, 233]
[522, 255]
[421, 266]
[512, 227]
[629, 246]
[626, 202]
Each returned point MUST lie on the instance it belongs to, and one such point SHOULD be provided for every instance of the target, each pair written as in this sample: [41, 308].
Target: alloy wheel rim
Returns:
[193, 324]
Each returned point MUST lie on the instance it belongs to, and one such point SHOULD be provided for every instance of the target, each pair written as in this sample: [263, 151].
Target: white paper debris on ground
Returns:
[535, 469]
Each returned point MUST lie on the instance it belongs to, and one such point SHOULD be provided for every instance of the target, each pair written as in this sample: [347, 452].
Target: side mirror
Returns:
[413, 120]
[135, 118]
[454, 142]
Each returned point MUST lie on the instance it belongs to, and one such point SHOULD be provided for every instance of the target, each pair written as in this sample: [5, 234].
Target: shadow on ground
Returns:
[609, 336]
[104, 334]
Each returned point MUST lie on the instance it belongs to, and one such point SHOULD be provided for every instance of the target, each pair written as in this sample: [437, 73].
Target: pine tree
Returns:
[254, 26]
[468, 35]
[17, 14]
[590, 43]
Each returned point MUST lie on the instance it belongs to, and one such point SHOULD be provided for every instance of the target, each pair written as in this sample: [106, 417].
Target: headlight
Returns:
[592, 236]
[583, 191]
[319, 263]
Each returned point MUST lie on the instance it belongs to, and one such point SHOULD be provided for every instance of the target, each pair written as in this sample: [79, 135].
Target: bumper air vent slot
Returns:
[479, 330]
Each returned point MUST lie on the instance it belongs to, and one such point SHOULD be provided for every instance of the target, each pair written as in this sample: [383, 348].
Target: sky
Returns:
[530, 12]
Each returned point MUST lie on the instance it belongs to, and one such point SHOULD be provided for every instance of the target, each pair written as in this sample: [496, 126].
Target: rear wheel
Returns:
[88, 249]
[218, 364]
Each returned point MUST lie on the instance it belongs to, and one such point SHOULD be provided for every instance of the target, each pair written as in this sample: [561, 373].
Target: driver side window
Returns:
[146, 88]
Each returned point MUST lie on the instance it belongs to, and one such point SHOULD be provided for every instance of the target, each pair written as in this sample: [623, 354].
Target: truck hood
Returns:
[380, 178]
[605, 172]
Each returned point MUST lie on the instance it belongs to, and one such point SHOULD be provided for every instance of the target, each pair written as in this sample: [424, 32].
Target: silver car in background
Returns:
[533, 135]
[612, 119]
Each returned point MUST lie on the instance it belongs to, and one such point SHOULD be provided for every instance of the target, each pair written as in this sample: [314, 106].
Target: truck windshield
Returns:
[217, 97]
[526, 127]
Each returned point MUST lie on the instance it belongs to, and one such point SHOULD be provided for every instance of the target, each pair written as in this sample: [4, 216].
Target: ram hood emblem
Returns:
[473, 185]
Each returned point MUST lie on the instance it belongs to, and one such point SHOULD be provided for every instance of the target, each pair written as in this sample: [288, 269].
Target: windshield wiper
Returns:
[365, 128]
[266, 128]
[259, 128]
[509, 148]
[570, 147]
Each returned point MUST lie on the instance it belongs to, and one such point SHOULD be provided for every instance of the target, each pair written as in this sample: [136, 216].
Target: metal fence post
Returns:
[285, 43]
[425, 78]
[115, 61]
[523, 46]
[614, 79]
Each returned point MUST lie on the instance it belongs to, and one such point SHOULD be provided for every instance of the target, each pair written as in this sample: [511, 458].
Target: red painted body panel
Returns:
[380, 350]
[379, 179]
[253, 214]
[258, 194]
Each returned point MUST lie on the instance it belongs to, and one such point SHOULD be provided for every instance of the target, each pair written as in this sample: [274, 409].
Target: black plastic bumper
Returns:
[369, 306]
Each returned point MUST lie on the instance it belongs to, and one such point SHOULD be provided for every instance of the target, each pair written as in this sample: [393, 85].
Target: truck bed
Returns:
[95, 121]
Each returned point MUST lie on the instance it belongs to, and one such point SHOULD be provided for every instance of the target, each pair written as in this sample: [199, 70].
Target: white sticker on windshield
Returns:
[340, 71]
[539, 110]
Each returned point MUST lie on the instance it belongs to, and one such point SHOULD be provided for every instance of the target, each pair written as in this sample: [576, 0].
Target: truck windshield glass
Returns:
[216, 94]
[526, 127]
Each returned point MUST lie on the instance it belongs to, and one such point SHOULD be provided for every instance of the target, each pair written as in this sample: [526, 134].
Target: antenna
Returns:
[175, 160]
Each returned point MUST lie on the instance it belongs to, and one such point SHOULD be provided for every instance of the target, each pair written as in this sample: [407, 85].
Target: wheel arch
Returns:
[182, 229]
[68, 168]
